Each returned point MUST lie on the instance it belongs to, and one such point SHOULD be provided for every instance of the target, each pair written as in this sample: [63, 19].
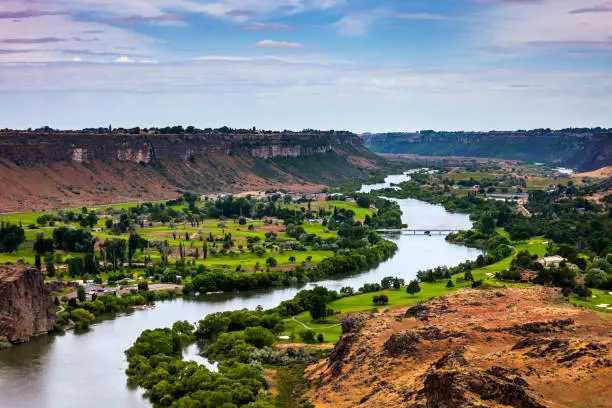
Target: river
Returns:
[76, 370]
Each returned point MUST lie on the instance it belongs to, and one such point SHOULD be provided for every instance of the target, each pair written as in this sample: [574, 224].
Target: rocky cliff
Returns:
[474, 348]
[26, 309]
[586, 149]
[51, 170]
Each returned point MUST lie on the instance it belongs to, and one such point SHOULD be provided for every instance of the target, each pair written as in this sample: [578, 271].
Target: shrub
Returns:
[308, 336]
[82, 318]
[380, 300]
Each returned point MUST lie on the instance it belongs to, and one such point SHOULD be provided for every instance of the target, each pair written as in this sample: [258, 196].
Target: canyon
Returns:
[585, 149]
[47, 170]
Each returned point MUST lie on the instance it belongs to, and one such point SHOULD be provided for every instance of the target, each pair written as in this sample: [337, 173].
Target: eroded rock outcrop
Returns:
[473, 348]
[26, 309]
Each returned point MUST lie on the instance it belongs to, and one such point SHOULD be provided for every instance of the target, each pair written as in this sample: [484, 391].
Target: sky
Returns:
[359, 65]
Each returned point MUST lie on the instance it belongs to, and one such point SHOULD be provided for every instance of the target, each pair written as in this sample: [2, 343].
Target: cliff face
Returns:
[473, 348]
[50, 170]
[26, 309]
[587, 150]
[27, 148]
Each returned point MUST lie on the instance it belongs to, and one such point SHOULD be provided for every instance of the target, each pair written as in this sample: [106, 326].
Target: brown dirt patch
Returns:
[602, 173]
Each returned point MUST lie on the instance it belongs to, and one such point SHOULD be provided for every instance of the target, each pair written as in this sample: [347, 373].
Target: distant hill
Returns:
[42, 170]
[585, 149]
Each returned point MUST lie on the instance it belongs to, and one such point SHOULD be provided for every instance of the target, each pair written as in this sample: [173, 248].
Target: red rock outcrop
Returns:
[474, 348]
[26, 309]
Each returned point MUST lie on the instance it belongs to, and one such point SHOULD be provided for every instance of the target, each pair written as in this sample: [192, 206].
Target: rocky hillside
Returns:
[26, 309]
[474, 348]
[586, 149]
[49, 170]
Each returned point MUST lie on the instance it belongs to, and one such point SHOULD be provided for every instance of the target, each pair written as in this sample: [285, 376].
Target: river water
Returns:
[88, 370]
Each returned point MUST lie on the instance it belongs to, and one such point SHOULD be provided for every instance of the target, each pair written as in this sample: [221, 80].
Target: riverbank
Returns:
[429, 290]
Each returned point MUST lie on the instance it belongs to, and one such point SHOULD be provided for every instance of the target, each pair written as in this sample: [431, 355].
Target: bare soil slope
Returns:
[40, 171]
[474, 348]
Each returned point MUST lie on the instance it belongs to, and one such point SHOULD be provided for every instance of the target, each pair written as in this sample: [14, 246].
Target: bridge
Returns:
[422, 231]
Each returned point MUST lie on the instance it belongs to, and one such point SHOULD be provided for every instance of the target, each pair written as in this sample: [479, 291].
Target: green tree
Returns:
[317, 307]
[271, 262]
[50, 269]
[114, 250]
[413, 287]
[450, 284]
[468, 276]
[11, 236]
[582, 291]
[135, 242]
[81, 294]
[82, 318]
[596, 278]
[308, 336]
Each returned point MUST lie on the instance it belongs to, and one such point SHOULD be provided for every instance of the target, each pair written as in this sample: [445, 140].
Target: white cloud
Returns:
[274, 93]
[279, 44]
[354, 25]
[222, 58]
[124, 60]
[542, 24]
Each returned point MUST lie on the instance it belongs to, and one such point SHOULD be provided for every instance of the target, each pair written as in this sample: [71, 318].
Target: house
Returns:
[554, 260]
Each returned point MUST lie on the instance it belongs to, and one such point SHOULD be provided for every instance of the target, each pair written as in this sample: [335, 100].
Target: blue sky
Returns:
[289, 64]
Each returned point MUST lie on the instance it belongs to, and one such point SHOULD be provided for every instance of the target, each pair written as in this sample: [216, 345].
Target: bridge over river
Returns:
[410, 231]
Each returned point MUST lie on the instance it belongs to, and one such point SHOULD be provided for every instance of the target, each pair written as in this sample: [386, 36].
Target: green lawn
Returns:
[602, 297]
[476, 175]
[540, 183]
[361, 303]
[360, 213]
[249, 259]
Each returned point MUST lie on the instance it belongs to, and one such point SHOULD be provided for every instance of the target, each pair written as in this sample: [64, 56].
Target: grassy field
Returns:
[596, 301]
[360, 213]
[476, 175]
[188, 236]
[540, 183]
[361, 303]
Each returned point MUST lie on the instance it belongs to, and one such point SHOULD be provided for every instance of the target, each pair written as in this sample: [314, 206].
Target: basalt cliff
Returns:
[43, 170]
[26, 309]
[474, 348]
[585, 149]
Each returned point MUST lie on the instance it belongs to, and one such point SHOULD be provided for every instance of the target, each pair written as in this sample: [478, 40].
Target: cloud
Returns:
[602, 8]
[265, 27]
[420, 16]
[45, 40]
[163, 19]
[354, 25]
[240, 13]
[278, 94]
[222, 58]
[124, 60]
[542, 24]
[9, 52]
[28, 14]
[279, 44]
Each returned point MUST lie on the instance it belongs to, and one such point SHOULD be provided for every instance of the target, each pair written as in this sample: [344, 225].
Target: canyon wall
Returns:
[585, 149]
[40, 171]
[27, 148]
[26, 309]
